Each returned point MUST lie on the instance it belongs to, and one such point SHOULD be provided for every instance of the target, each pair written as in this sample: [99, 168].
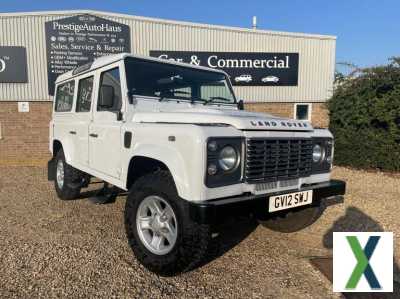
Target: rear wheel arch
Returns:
[57, 146]
[68, 179]
[66, 146]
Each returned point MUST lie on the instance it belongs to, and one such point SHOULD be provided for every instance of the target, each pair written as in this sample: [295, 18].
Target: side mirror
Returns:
[240, 105]
[106, 97]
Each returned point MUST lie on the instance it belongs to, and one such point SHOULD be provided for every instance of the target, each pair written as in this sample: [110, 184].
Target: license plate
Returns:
[290, 200]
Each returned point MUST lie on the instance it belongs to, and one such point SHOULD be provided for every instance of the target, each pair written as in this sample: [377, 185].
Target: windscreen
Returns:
[168, 81]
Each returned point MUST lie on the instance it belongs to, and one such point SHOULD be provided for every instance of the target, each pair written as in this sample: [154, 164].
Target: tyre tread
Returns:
[196, 238]
[71, 176]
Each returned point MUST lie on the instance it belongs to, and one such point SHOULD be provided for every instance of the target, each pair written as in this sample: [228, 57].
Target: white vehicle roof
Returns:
[109, 59]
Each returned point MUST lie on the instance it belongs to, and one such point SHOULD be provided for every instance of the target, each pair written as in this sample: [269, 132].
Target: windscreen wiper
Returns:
[194, 100]
[211, 100]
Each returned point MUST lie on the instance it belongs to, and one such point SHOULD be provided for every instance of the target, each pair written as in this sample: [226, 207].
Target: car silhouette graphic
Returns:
[244, 78]
[270, 79]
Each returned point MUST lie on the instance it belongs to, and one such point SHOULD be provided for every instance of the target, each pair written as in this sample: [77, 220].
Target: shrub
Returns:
[365, 118]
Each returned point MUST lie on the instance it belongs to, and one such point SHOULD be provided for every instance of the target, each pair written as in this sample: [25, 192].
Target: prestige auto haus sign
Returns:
[244, 68]
[87, 27]
[74, 41]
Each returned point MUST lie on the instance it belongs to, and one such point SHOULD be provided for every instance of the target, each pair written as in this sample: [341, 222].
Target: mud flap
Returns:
[51, 170]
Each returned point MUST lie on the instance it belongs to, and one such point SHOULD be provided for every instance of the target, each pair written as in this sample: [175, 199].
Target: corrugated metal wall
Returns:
[316, 53]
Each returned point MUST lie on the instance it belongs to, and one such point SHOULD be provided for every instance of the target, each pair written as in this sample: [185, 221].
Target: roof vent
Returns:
[82, 68]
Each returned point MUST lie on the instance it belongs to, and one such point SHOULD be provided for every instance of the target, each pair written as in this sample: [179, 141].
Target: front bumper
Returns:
[214, 211]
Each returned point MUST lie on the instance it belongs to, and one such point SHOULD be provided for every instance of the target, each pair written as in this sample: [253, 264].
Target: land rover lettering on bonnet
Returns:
[175, 137]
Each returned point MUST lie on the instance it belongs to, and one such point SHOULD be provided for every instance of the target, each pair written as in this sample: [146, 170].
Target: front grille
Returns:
[266, 186]
[269, 160]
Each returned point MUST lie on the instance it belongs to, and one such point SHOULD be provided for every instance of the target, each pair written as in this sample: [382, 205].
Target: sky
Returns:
[367, 31]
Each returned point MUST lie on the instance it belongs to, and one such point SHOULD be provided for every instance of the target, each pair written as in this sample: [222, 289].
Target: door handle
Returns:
[93, 135]
[72, 132]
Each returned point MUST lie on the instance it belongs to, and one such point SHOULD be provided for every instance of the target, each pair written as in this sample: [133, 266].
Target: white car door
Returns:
[64, 118]
[82, 119]
[105, 140]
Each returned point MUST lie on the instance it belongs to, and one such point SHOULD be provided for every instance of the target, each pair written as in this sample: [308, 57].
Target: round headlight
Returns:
[228, 158]
[317, 153]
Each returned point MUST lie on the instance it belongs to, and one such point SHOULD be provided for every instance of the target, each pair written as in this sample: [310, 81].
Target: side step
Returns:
[106, 195]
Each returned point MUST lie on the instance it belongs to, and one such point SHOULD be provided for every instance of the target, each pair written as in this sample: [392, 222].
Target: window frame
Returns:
[100, 74]
[146, 97]
[73, 97]
[309, 110]
[93, 92]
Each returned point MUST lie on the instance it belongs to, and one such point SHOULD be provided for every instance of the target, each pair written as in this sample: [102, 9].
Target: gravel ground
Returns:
[51, 248]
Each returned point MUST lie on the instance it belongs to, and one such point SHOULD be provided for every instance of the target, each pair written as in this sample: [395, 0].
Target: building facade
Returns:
[286, 74]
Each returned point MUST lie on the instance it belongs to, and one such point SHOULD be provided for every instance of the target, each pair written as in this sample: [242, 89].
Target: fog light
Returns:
[212, 169]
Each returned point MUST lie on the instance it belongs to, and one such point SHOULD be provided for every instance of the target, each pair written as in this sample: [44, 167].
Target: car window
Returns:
[302, 112]
[216, 90]
[181, 92]
[169, 81]
[111, 83]
[65, 97]
[85, 91]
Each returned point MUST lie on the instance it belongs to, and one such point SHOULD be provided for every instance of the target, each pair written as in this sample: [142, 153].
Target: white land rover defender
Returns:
[175, 136]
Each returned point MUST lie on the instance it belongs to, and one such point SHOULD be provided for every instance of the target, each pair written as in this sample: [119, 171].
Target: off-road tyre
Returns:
[193, 239]
[72, 179]
[293, 221]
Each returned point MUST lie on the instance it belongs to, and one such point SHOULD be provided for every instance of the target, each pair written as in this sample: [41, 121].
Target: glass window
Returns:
[169, 81]
[110, 91]
[65, 96]
[302, 111]
[85, 91]
[215, 90]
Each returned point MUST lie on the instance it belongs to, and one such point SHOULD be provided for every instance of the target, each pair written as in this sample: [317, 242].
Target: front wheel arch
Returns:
[140, 166]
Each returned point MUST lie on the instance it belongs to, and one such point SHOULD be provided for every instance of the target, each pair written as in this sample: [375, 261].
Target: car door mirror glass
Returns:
[106, 98]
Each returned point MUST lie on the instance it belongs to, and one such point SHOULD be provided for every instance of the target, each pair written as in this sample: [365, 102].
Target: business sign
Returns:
[244, 68]
[13, 65]
[73, 41]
